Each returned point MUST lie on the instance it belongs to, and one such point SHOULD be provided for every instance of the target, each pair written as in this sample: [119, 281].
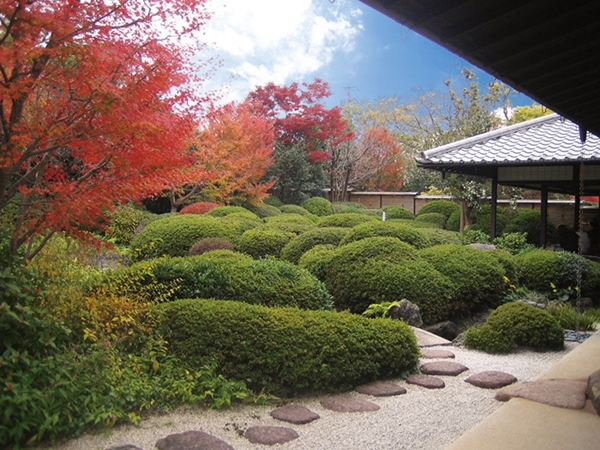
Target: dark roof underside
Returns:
[547, 49]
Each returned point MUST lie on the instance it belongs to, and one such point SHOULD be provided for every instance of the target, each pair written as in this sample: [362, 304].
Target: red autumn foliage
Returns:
[198, 208]
[92, 101]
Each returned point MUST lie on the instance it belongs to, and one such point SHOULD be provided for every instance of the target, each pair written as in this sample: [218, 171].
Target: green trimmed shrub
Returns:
[528, 221]
[469, 236]
[445, 207]
[318, 206]
[415, 223]
[292, 223]
[198, 208]
[263, 211]
[342, 207]
[263, 241]
[293, 209]
[305, 241]
[482, 220]
[478, 276]
[509, 263]
[288, 351]
[514, 243]
[515, 325]
[316, 260]
[273, 201]
[435, 218]
[437, 236]
[538, 269]
[237, 224]
[210, 244]
[398, 230]
[226, 210]
[453, 222]
[398, 212]
[124, 221]
[345, 220]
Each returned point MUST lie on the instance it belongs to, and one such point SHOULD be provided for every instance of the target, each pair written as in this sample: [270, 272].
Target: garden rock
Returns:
[426, 381]
[593, 390]
[434, 353]
[345, 403]
[192, 440]
[562, 393]
[381, 389]
[491, 379]
[450, 368]
[408, 312]
[297, 414]
[270, 435]
[447, 329]
[125, 447]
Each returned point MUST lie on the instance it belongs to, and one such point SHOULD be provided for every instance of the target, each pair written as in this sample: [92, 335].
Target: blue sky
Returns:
[356, 49]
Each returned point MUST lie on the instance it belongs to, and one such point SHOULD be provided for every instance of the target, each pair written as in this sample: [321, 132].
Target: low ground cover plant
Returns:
[288, 351]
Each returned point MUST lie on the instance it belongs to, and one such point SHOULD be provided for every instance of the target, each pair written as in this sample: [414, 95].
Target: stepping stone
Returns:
[593, 390]
[443, 368]
[491, 379]
[434, 353]
[270, 435]
[192, 440]
[297, 414]
[125, 447]
[426, 381]
[344, 403]
[562, 393]
[381, 389]
[427, 339]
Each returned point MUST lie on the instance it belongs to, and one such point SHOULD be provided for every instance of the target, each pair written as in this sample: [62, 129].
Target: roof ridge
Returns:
[480, 138]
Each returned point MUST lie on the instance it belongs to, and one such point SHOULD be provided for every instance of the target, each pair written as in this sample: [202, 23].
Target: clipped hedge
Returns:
[318, 206]
[437, 236]
[453, 222]
[398, 212]
[515, 325]
[435, 218]
[293, 209]
[478, 276]
[263, 211]
[482, 221]
[288, 351]
[263, 241]
[398, 230]
[445, 207]
[210, 244]
[222, 211]
[305, 241]
[317, 259]
[346, 220]
[292, 223]
[528, 221]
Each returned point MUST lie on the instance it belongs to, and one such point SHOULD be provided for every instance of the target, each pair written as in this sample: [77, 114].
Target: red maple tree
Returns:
[95, 106]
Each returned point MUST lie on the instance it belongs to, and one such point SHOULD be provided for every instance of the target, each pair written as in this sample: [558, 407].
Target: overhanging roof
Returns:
[543, 151]
[547, 49]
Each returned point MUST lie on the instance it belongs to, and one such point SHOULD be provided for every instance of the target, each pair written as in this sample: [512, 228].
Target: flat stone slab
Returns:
[297, 414]
[345, 403]
[450, 368]
[381, 389]
[491, 379]
[435, 353]
[426, 381]
[427, 339]
[562, 393]
[125, 447]
[270, 435]
[192, 440]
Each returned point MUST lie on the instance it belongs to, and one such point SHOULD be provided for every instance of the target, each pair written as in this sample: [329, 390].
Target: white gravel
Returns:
[419, 419]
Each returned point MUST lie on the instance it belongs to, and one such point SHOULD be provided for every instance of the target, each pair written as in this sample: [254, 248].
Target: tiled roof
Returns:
[548, 139]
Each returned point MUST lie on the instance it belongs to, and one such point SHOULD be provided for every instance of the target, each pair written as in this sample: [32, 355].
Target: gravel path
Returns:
[419, 419]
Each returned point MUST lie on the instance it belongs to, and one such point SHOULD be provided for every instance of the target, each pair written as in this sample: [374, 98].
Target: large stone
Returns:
[426, 381]
[270, 435]
[562, 393]
[491, 379]
[297, 414]
[381, 389]
[192, 440]
[434, 353]
[346, 403]
[593, 390]
[447, 329]
[408, 312]
[450, 368]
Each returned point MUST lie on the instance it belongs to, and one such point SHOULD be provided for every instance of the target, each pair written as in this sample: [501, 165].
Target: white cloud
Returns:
[260, 41]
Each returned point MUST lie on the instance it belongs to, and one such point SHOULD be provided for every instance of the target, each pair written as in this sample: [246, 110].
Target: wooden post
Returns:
[544, 216]
[493, 229]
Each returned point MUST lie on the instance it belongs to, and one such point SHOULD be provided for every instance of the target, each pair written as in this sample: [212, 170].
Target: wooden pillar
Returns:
[544, 216]
[493, 224]
[576, 175]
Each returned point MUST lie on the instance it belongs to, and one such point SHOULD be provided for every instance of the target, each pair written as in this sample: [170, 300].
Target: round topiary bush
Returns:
[478, 276]
[293, 209]
[226, 210]
[198, 208]
[273, 201]
[515, 325]
[125, 220]
[343, 207]
[305, 241]
[389, 228]
[435, 218]
[318, 206]
[509, 263]
[482, 220]
[437, 236]
[538, 269]
[317, 259]
[398, 212]
[453, 222]
[346, 220]
[445, 207]
[263, 241]
[528, 221]
[287, 351]
[210, 244]
[174, 235]
[263, 211]
[237, 224]
[293, 223]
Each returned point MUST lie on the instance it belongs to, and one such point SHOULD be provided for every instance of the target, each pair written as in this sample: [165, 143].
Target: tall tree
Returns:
[92, 101]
